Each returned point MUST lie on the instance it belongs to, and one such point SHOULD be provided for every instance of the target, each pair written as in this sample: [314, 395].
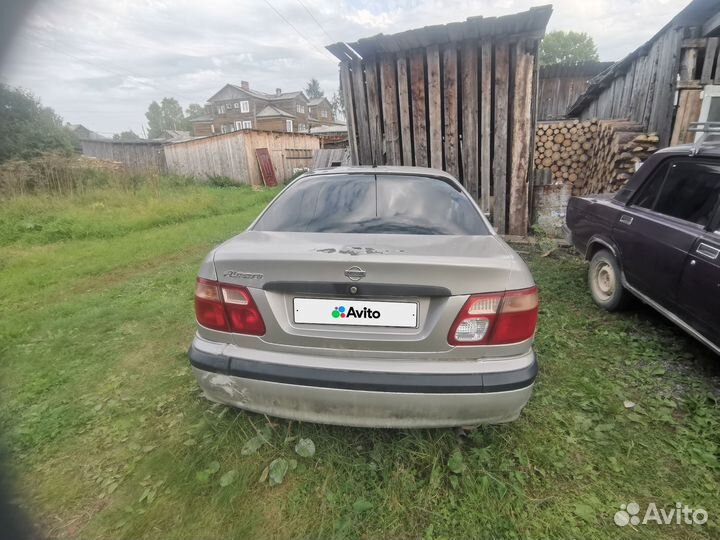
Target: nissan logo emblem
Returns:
[354, 273]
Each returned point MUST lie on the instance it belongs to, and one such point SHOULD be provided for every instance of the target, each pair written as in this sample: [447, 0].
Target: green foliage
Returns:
[560, 47]
[313, 90]
[28, 128]
[193, 111]
[126, 136]
[168, 114]
[99, 402]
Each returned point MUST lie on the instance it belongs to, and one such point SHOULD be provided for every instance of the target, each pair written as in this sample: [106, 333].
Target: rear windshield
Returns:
[376, 204]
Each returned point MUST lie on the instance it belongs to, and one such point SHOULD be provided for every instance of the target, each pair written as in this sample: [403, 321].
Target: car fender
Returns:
[602, 240]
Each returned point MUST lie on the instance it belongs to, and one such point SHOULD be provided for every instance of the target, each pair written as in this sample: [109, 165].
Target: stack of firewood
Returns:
[595, 156]
[565, 148]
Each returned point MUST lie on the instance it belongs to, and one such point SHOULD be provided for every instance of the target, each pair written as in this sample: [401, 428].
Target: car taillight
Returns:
[496, 318]
[228, 308]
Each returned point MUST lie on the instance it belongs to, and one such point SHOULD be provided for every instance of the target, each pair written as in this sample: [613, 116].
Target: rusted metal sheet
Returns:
[266, 167]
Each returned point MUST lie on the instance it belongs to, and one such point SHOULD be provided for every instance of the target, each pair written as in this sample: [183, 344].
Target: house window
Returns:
[212, 128]
[247, 124]
[244, 106]
[236, 105]
[301, 109]
[223, 129]
[221, 109]
[323, 113]
[288, 126]
[302, 127]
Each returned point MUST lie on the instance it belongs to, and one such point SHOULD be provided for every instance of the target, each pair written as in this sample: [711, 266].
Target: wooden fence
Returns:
[458, 97]
[231, 155]
[136, 156]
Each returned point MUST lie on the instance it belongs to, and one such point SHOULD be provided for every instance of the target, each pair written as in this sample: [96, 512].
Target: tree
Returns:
[194, 110]
[168, 114]
[125, 136]
[29, 128]
[570, 48]
[338, 103]
[313, 90]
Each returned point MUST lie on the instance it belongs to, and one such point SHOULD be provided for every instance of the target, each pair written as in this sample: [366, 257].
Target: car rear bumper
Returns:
[364, 398]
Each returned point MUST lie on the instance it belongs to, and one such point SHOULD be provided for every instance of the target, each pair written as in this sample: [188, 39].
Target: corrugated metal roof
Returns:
[531, 22]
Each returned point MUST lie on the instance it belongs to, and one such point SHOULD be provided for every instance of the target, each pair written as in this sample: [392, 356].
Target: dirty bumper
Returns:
[364, 399]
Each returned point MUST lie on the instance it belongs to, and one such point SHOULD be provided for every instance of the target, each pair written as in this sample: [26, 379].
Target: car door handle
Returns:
[626, 220]
[707, 251]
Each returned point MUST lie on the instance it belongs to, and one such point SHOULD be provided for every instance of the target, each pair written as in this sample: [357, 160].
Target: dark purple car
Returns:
[658, 239]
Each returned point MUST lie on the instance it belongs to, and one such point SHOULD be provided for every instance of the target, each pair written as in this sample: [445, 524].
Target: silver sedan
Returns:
[368, 296]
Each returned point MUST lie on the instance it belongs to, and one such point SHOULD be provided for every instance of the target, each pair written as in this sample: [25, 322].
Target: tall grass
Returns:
[58, 174]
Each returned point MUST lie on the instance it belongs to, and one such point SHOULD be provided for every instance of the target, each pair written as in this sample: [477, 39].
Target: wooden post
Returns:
[434, 106]
[349, 111]
[417, 91]
[501, 135]
[469, 61]
[520, 140]
[450, 105]
[404, 102]
[388, 84]
[363, 125]
[710, 53]
[373, 99]
[486, 122]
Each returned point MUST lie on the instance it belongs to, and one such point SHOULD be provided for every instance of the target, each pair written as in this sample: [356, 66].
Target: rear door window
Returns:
[382, 204]
[690, 191]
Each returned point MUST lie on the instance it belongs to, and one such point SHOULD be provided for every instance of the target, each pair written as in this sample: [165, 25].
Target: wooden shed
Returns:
[561, 84]
[663, 85]
[458, 97]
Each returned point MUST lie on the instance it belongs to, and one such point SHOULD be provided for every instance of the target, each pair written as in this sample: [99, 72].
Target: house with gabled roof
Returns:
[235, 107]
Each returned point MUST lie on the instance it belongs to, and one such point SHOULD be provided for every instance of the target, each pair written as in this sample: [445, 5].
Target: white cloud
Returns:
[101, 63]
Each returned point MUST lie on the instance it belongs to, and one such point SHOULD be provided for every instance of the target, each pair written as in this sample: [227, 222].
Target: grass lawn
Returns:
[109, 436]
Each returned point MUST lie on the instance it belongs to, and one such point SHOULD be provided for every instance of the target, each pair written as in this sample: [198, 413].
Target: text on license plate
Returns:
[355, 312]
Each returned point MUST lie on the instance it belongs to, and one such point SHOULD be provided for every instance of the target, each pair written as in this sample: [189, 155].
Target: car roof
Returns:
[705, 149]
[386, 169]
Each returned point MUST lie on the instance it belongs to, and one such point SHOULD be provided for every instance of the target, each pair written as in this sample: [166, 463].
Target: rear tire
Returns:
[604, 279]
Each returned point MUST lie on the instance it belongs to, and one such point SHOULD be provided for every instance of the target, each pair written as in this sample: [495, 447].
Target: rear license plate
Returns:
[355, 312]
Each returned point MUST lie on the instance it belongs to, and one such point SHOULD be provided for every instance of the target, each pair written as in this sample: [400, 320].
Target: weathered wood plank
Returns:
[520, 133]
[688, 111]
[417, 92]
[434, 107]
[404, 106]
[388, 83]
[500, 169]
[688, 64]
[710, 53]
[486, 122]
[450, 105]
[373, 99]
[349, 111]
[628, 86]
[469, 78]
[662, 106]
[361, 114]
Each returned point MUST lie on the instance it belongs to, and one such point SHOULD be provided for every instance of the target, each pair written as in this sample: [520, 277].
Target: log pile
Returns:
[595, 156]
[565, 148]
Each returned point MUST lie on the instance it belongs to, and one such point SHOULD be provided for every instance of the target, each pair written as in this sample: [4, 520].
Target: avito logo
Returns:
[365, 313]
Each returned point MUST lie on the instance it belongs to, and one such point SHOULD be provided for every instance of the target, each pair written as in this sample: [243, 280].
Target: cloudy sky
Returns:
[102, 63]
